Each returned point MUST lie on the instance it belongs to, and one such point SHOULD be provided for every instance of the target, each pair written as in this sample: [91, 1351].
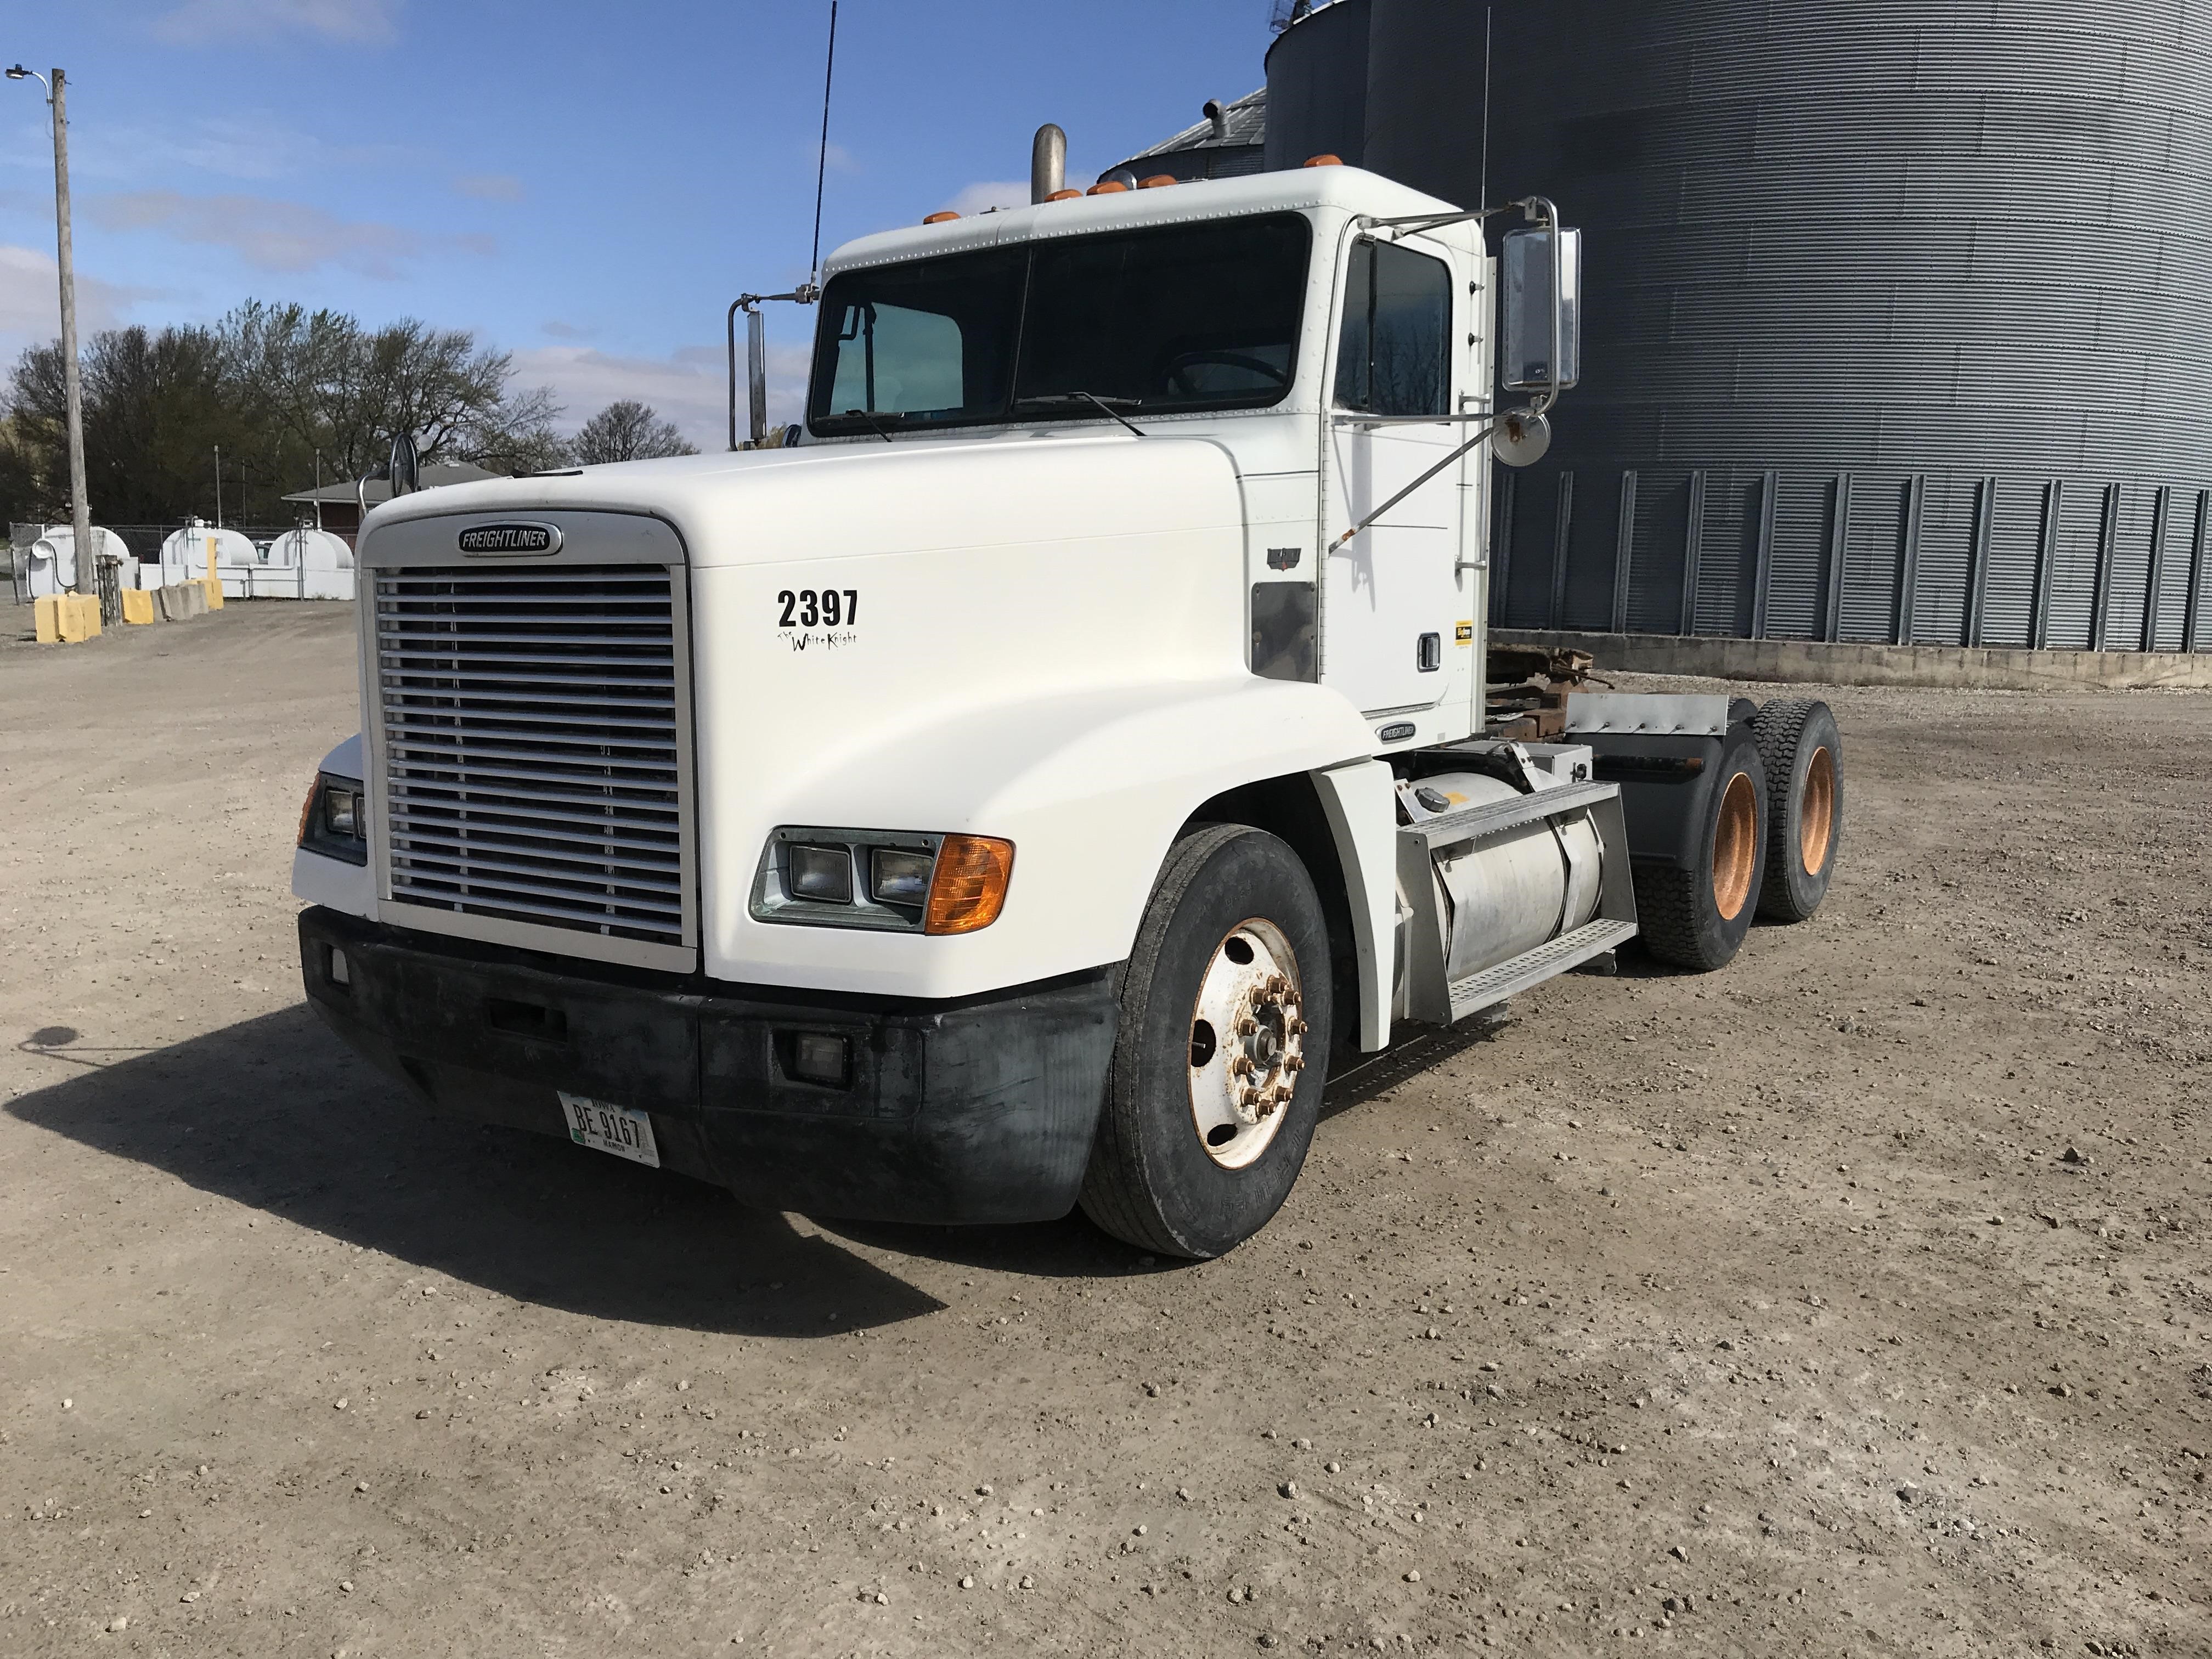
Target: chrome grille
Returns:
[532, 731]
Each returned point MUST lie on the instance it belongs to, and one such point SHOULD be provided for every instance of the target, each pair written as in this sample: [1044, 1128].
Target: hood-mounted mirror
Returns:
[405, 469]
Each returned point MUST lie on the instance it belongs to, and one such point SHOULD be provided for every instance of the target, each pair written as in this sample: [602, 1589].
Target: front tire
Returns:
[1223, 1050]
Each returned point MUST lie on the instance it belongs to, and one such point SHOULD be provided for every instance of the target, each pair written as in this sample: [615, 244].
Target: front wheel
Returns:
[1223, 1050]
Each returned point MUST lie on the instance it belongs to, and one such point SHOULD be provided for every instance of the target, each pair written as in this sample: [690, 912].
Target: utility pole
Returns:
[218, 486]
[88, 577]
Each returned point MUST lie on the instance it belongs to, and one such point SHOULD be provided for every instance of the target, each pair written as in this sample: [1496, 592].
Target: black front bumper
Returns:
[976, 1110]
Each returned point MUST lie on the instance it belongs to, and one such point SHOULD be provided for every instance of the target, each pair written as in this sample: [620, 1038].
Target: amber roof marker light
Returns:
[969, 888]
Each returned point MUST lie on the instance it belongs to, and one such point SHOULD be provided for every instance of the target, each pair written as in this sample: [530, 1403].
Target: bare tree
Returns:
[628, 430]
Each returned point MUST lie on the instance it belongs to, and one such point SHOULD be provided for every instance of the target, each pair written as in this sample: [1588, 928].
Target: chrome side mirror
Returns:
[756, 374]
[405, 470]
[1541, 348]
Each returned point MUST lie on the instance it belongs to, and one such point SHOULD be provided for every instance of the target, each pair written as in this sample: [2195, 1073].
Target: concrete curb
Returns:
[1812, 662]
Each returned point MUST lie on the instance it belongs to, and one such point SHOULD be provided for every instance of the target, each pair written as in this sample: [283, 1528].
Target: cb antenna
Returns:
[822, 161]
[1484, 203]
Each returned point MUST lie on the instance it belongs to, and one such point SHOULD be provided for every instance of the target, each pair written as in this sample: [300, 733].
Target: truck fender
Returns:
[346, 888]
[1360, 803]
[1664, 752]
[1091, 786]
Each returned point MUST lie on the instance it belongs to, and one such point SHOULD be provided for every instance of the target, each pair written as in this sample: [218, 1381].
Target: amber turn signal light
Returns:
[314, 789]
[970, 888]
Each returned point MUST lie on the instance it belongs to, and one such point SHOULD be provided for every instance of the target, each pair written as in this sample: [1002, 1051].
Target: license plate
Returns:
[614, 1129]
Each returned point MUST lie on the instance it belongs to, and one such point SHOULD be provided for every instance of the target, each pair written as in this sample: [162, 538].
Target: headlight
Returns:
[897, 877]
[914, 883]
[334, 822]
[822, 874]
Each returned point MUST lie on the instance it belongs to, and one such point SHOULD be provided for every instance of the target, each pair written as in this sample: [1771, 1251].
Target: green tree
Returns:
[27, 494]
[627, 430]
[284, 392]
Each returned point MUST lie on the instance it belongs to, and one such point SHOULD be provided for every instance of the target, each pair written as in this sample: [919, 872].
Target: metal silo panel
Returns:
[1655, 586]
[1728, 552]
[2014, 551]
[2074, 574]
[1954, 241]
[1939, 559]
[1796, 576]
[2177, 525]
[2129, 559]
[1317, 88]
[1872, 553]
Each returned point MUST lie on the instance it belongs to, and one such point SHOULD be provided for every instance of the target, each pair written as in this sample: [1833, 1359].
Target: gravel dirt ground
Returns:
[1854, 1300]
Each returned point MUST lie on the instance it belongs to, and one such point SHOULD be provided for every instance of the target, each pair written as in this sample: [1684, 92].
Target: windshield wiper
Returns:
[1106, 405]
[867, 417]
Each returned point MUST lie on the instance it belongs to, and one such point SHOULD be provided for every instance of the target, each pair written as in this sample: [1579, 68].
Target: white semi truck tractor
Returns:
[1019, 787]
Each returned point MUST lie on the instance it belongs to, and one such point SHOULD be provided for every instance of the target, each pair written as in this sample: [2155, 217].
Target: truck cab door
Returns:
[1394, 598]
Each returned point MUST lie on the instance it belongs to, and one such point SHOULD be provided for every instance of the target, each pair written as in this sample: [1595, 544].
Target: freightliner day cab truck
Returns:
[1019, 787]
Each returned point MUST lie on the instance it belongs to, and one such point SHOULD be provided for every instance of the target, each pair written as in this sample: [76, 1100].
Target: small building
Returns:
[338, 506]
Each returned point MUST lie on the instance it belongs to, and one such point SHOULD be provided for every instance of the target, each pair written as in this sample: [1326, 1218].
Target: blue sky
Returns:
[586, 184]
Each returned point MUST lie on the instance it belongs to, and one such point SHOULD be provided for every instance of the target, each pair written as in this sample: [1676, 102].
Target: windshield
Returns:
[1184, 319]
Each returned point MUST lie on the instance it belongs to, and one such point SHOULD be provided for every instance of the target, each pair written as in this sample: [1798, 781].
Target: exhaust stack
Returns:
[1048, 163]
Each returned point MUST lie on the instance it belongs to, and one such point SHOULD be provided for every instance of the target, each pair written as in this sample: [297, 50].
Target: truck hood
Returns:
[831, 501]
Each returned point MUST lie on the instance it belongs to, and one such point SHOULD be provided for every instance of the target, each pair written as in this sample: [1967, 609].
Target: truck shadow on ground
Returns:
[274, 1114]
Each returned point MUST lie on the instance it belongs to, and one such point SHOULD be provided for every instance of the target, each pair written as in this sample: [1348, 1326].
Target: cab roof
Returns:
[1348, 190]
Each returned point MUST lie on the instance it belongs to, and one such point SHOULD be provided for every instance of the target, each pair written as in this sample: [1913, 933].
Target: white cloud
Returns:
[489, 186]
[197, 21]
[992, 193]
[690, 386]
[274, 235]
[247, 144]
[30, 298]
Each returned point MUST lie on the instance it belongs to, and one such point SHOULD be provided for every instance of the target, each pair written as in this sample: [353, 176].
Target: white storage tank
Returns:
[185, 558]
[320, 563]
[52, 559]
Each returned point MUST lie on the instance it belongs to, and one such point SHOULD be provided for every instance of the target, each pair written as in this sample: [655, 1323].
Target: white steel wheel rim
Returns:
[1247, 1037]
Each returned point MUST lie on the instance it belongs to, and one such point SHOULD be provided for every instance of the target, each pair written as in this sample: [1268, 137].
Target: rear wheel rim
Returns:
[1816, 818]
[1735, 847]
[1246, 1051]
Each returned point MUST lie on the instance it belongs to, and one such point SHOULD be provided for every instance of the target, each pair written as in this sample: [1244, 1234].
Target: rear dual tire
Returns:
[1696, 918]
[1802, 754]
